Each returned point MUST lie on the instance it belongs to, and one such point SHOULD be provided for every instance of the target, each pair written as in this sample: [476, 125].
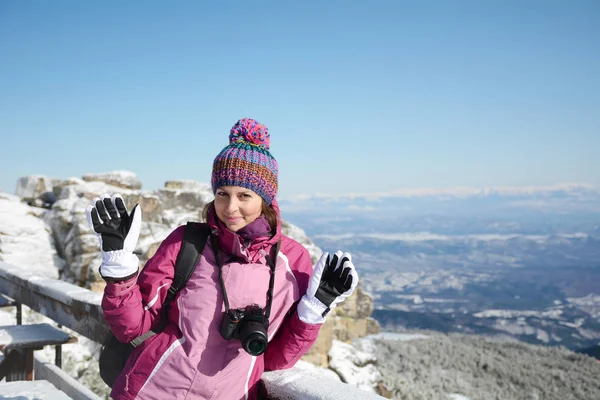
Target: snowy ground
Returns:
[26, 241]
[35, 390]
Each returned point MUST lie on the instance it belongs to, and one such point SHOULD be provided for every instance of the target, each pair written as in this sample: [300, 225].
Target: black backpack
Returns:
[114, 354]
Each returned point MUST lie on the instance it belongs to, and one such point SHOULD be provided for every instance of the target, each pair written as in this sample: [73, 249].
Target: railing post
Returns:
[17, 366]
[58, 353]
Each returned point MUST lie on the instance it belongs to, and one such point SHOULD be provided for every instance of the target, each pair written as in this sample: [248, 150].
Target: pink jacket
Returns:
[189, 359]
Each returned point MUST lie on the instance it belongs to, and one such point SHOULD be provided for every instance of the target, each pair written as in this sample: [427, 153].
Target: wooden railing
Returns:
[79, 309]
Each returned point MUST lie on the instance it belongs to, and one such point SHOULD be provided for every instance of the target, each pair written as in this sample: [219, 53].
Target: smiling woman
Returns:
[252, 303]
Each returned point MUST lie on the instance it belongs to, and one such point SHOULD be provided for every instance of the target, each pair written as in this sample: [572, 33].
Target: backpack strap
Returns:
[195, 236]
[194, 240]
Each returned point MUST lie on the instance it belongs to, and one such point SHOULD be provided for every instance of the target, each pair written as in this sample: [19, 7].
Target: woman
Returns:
[199, 354]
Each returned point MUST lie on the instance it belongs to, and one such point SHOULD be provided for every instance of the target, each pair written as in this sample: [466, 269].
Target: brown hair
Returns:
[267, 211]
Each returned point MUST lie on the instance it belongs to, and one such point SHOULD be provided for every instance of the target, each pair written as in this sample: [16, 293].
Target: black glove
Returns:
[333, 280]
[111, 221]
[118, 232]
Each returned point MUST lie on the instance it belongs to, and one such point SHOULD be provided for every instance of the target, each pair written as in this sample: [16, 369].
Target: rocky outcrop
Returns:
[163, 210]
[35, 190]
[351, 320]
[357, 367]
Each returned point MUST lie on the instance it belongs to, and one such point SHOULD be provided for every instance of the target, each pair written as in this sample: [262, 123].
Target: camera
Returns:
[249, 325]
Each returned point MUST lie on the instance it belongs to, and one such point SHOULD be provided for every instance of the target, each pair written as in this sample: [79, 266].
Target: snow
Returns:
[127, 178]
[31, 390]
[8, 316]
[590, 304]
[291, 384]
[356, 363]
[520, 327]
[59, 290]
[397, 336]
[355, 367]
[511, 314]
[186, 185]
[25, 239]
[31, 336]
[309, 367]
[456, 396]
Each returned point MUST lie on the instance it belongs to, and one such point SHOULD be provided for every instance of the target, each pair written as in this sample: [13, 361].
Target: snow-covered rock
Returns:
[162, 211]
[25, 240]
[35, 190]
[354, 366]
[121, 179]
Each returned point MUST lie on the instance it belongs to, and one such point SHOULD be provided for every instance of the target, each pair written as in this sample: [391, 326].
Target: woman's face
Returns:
[236, 206]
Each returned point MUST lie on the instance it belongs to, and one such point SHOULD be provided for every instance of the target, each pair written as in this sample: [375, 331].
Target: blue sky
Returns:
[361, 97]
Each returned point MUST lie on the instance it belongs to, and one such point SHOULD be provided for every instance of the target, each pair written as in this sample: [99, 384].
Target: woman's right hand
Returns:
[118, 233]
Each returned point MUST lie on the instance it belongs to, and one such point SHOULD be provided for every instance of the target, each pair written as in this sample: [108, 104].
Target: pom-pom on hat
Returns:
[246, 161]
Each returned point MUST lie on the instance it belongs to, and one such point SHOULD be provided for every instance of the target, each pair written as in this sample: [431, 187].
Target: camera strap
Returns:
[271, 261]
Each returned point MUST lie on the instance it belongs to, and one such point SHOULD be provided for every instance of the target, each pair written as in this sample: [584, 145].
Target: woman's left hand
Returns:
[333, 280]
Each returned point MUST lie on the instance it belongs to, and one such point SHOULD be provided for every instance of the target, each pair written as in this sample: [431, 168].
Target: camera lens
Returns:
[253, 330]
[255, 343]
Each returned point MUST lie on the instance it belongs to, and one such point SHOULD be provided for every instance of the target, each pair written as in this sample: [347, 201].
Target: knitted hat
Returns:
[246, 161]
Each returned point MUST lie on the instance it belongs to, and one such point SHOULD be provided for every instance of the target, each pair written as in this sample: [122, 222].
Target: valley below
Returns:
[534, 279]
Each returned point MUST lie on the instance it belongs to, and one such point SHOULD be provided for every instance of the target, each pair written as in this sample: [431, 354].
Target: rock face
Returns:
[351, 320]
[76, 246]
[35, 190]
[162, 211]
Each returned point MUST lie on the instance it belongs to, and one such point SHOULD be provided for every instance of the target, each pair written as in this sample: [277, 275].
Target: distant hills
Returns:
[563, 198]
[522, 261]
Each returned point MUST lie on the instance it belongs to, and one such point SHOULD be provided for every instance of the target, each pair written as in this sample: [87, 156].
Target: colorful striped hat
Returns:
[246, 161]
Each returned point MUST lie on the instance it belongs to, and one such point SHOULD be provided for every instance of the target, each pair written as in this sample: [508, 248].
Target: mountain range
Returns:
[522, 262]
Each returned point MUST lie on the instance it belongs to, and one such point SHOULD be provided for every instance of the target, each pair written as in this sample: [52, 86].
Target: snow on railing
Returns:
[61, 380]
[69, 305]
[79, 309]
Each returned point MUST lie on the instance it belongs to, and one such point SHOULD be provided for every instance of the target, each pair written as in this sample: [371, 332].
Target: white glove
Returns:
[332, 281]
[118, 232]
